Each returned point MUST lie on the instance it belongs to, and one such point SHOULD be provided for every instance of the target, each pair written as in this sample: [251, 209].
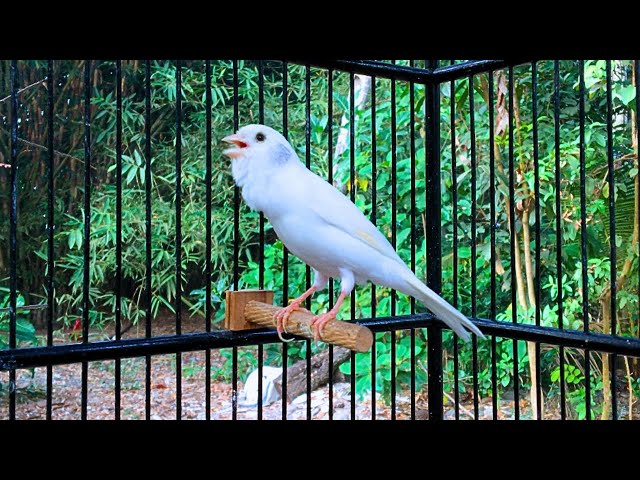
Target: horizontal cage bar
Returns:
[414, 74]
[109, 350]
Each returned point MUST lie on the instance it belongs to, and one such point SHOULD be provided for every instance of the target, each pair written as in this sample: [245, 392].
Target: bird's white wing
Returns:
[337, 210]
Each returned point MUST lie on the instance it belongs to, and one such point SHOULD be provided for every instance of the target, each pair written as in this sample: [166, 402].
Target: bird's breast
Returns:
[306, 239]
[274, 195]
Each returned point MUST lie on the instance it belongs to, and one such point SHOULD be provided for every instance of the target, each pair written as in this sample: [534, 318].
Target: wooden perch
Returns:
[247, 309]
[349, 335]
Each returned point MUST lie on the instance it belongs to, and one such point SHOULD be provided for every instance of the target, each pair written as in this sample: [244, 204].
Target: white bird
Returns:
[322, 227]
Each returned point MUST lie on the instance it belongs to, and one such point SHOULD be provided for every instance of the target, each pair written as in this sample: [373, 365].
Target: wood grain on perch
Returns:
[349, 335]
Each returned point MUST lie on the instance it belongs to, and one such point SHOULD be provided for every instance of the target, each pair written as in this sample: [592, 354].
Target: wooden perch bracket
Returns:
[247, 309]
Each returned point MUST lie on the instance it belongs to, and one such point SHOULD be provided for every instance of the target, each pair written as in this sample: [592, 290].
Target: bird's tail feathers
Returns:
[441, 308]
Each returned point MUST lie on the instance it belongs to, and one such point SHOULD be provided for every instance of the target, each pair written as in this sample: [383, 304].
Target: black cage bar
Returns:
[436, 133]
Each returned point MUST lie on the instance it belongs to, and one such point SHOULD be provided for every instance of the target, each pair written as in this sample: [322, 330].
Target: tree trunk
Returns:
[519, 277]
[531, 346]
[528, 264]
[297, 373]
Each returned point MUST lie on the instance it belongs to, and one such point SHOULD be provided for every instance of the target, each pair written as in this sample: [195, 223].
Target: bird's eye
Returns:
[260, 137]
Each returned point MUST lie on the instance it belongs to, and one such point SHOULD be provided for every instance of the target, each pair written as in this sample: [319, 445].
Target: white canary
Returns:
[323, 228]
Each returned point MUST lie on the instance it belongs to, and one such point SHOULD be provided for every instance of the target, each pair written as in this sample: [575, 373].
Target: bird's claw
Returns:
[282, 316]
[318, 323]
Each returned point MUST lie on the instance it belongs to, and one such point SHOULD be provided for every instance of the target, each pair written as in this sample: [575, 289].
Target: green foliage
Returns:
[574, 380]
[384, 367]
[247, 362]
[25, 331]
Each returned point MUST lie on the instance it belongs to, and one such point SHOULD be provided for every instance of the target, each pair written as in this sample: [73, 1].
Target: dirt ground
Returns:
[66, 392]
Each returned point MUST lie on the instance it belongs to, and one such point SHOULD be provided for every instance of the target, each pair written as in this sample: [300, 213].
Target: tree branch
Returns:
[37, 145]
[23, 89]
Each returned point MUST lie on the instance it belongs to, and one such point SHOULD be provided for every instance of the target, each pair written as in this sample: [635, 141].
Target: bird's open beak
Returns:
[238, 142]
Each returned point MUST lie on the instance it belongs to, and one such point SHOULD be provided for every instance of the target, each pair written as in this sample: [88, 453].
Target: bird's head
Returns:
[257, 144]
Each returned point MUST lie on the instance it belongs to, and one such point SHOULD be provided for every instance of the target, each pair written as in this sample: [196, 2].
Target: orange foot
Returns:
[282, 316]
[319, 321]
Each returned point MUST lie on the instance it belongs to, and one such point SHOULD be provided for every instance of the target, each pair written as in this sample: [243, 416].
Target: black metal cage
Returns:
[430, 102]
